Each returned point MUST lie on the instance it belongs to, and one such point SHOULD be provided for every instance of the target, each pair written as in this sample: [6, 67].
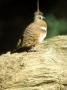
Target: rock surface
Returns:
[45, 69]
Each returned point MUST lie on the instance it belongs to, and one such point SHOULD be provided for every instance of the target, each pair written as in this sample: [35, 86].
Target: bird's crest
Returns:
[38, 12]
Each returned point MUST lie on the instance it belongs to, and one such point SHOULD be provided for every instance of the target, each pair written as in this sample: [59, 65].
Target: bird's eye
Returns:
[40, 17]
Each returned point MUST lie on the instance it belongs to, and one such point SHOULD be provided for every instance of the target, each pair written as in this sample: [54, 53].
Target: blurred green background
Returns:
[56, 26]
[15, 15]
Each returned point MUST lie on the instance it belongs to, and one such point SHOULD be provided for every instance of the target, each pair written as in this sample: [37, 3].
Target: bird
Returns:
[34, 33]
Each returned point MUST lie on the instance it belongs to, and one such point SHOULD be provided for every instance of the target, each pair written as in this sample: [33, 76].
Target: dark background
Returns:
[15, 15]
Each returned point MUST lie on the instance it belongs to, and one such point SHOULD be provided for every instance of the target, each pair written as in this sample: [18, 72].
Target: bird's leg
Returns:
[32, 49]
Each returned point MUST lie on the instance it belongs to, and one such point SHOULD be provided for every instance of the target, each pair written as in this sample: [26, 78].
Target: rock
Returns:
[45, 69]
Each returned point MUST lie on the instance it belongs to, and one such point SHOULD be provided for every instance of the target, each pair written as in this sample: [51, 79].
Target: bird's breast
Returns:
[43, 28]
[43, 34]
[42, 37]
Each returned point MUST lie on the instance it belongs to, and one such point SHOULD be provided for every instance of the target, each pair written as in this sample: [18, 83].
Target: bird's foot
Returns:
[32, 49]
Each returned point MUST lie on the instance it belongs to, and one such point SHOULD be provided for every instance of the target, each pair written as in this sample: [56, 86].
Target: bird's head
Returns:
[38, 16]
